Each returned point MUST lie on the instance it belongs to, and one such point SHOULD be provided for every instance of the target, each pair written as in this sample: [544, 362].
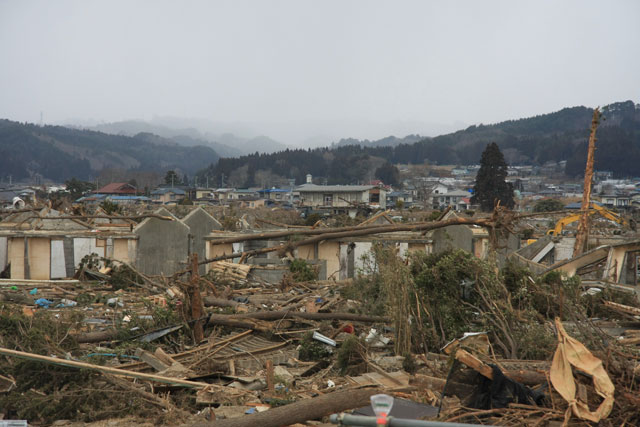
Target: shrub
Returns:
[302, 271]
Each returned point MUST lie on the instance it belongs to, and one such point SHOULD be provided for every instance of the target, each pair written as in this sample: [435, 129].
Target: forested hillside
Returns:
[59, 153]
[550, 137]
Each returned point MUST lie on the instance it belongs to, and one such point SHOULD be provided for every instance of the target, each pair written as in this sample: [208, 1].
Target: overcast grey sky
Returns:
[302, 69]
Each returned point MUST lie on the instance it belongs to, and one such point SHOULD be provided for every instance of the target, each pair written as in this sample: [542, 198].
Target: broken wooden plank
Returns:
[151, 360]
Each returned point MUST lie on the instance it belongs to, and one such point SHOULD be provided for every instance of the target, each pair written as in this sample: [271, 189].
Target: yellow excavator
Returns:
[593, 209]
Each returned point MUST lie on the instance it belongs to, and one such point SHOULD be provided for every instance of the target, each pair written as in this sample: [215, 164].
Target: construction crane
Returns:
[593, 209]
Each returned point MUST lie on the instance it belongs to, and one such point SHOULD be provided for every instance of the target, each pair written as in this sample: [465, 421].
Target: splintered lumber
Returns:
[103, 369]
[230, 269]
[285, 314]
[302, 410]
[152, 360]
[474, 363]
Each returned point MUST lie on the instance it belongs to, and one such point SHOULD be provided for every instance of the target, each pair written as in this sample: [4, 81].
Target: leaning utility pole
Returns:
[583, 228]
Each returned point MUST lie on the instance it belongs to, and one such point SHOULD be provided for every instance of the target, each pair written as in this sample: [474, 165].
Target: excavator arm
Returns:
[593, 208]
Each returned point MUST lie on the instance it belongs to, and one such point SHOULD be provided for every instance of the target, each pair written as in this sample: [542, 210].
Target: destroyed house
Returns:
[617, 263]
[42, 246]
[335, 258]
[38, 245]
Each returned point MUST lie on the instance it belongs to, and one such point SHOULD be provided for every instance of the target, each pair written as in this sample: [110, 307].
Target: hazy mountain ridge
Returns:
[389, 141]
[59, 153]
[557, 136]
[225, 144]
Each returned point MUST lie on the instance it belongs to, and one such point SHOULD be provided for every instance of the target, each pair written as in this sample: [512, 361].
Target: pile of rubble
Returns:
[227, 350]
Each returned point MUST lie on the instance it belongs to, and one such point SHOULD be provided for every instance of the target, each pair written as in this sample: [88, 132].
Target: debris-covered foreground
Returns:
[448, 335]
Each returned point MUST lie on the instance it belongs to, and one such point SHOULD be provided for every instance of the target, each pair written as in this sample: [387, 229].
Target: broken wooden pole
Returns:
[269, 375]
[583, 227]
[522, 376]
[302, 410]
[197, 307]
[242, 323]
[286, 314]
[103, 369]
[219, 302]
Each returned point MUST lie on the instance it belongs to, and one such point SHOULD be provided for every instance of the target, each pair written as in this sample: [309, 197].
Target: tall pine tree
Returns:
[491, 185]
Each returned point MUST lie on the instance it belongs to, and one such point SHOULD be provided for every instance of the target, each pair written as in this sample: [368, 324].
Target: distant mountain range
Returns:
[59, 153]
[225, 144]
[558, 136]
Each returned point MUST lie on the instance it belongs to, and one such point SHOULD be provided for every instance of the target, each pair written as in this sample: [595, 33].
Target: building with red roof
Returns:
[117, 189]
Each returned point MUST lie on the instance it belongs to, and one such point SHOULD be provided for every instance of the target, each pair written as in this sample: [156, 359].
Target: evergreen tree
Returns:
[490, 181]
[171, 178]
[389, 174]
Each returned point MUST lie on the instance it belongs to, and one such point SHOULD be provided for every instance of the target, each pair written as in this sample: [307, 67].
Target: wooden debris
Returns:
[303, 410]
[104, 369]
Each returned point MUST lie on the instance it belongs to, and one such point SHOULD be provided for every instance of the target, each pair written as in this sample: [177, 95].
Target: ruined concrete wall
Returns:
[564, 248]
[272, 271]
[16, 257]
[330, 252]
[58, 264]
[163, 246]
[452, 237]
[4, 248]
[39, 258]
[201, 224]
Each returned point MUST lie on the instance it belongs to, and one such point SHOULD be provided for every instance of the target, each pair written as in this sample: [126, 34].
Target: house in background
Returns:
[341, 196]
[405, 197]
[164, 195]
[452, 198]
[276, 194]
[117, 189]
[616, 200]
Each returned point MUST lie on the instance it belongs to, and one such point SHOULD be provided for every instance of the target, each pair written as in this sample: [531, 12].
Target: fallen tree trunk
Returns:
[338, 233]
[285, 314]
[219, 302]
[237, 322]
[104, 369]
[302, 410]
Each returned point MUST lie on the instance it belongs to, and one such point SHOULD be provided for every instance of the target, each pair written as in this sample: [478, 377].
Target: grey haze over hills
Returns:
[241, 138]
[190, 133]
